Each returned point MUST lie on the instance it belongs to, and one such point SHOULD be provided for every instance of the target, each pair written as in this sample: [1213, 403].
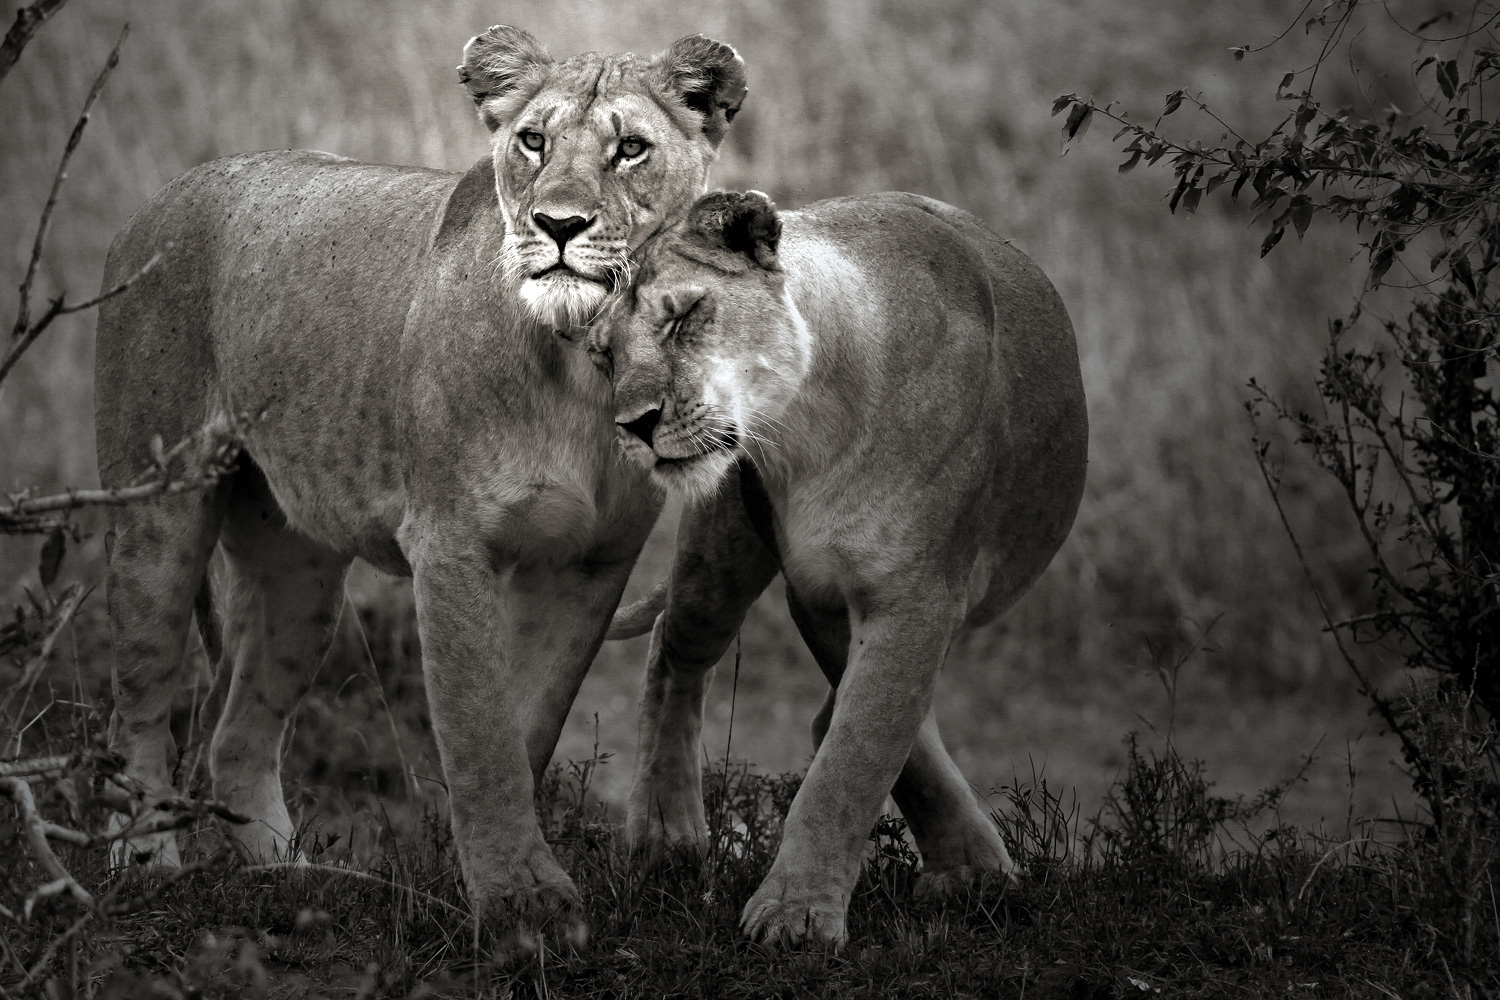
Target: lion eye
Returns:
[533, 140]
[632, 146]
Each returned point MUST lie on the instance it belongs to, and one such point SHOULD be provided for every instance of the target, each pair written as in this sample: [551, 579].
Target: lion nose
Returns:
[561, 230]
[644, 425]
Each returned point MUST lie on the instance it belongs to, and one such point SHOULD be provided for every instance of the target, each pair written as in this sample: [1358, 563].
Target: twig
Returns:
[23, 311]
[72, 598]
[36, 837]
[60, 308]
[28, 22]
[41, 963]
[37, 765]
[73, 499]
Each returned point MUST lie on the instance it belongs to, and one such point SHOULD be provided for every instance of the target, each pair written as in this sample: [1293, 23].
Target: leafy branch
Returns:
[1409, 424]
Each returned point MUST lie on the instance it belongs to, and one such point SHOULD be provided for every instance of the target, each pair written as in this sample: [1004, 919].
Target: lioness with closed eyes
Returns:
[880, 399]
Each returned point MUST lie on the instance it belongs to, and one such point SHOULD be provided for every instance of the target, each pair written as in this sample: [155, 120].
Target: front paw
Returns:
[149, 854]
[786, 912]
[661, 834]
[529, 905]
[950, 882]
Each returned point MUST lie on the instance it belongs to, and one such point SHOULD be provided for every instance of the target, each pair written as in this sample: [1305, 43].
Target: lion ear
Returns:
[499, 66]
[744, 223]
[706, 77]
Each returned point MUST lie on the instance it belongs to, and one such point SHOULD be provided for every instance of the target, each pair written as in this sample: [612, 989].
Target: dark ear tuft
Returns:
[498, 63]
[744, 223]
[707, 77]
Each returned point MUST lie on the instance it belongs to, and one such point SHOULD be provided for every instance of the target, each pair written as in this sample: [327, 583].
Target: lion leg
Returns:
[160, 553]
[883, 698]
[721, 567]
[282, 607]
[945, 817]
[477, 660]
[557, 618]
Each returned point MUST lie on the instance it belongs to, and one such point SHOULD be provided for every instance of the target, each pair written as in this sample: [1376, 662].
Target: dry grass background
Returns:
[1173, 314]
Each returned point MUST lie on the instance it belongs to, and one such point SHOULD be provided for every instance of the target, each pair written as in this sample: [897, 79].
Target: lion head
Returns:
[707, 349]
[593, 154]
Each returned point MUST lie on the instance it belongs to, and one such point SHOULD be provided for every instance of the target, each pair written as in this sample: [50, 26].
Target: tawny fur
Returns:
[415, 407]
[880, 399]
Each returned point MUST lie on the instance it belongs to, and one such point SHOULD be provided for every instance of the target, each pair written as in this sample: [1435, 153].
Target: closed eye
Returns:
[673, 327]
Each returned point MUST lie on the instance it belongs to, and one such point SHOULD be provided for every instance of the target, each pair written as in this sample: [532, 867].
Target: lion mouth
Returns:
[560, 270]
[719, 441]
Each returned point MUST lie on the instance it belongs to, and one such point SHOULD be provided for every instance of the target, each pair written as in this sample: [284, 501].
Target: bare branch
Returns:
[28, 22]
[23, 311]
[210, 452]
[60, 308]
[36, 838]
[37, 766]
[63, 613]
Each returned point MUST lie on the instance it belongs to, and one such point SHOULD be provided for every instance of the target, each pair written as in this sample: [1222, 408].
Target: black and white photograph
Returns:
[749, 499]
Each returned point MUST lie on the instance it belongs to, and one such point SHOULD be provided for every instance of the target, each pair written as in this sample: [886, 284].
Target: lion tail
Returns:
[638, 618]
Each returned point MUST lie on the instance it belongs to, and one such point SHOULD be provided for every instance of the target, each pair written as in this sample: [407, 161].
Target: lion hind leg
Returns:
[159, 557]
[282, 606]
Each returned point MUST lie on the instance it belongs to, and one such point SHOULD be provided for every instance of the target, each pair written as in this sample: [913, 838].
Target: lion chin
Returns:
[696, 478]
[563, 300]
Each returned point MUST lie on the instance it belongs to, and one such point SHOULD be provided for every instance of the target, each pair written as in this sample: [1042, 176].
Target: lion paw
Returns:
[946, 882]
[536, 906]
[668, 830]
[145, 854]
[779, 914]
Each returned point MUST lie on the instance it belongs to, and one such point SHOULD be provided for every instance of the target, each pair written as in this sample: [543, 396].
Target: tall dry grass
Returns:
[1173, 314]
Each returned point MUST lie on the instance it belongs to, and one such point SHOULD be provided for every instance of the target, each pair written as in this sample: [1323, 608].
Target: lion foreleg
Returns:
[721, 567]
[513, 880]
[556, 618]
[884, 696]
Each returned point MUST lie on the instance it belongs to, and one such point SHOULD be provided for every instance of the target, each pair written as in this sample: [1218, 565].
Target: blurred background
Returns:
[1177, 556]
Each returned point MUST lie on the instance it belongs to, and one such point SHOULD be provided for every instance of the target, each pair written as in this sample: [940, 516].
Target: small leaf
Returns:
[1286, 82]
[1190, 200]
[1174, 101]
[1447, 77]
[1272, 238]
[1302, 214]
[1063, 102]
[1129, 164]
[1078, 122]
[52, 556]
[1446, 15]
[1382, 264]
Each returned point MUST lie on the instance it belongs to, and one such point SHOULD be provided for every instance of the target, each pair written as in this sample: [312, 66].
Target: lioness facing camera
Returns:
[396, 330]
[879, 398]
